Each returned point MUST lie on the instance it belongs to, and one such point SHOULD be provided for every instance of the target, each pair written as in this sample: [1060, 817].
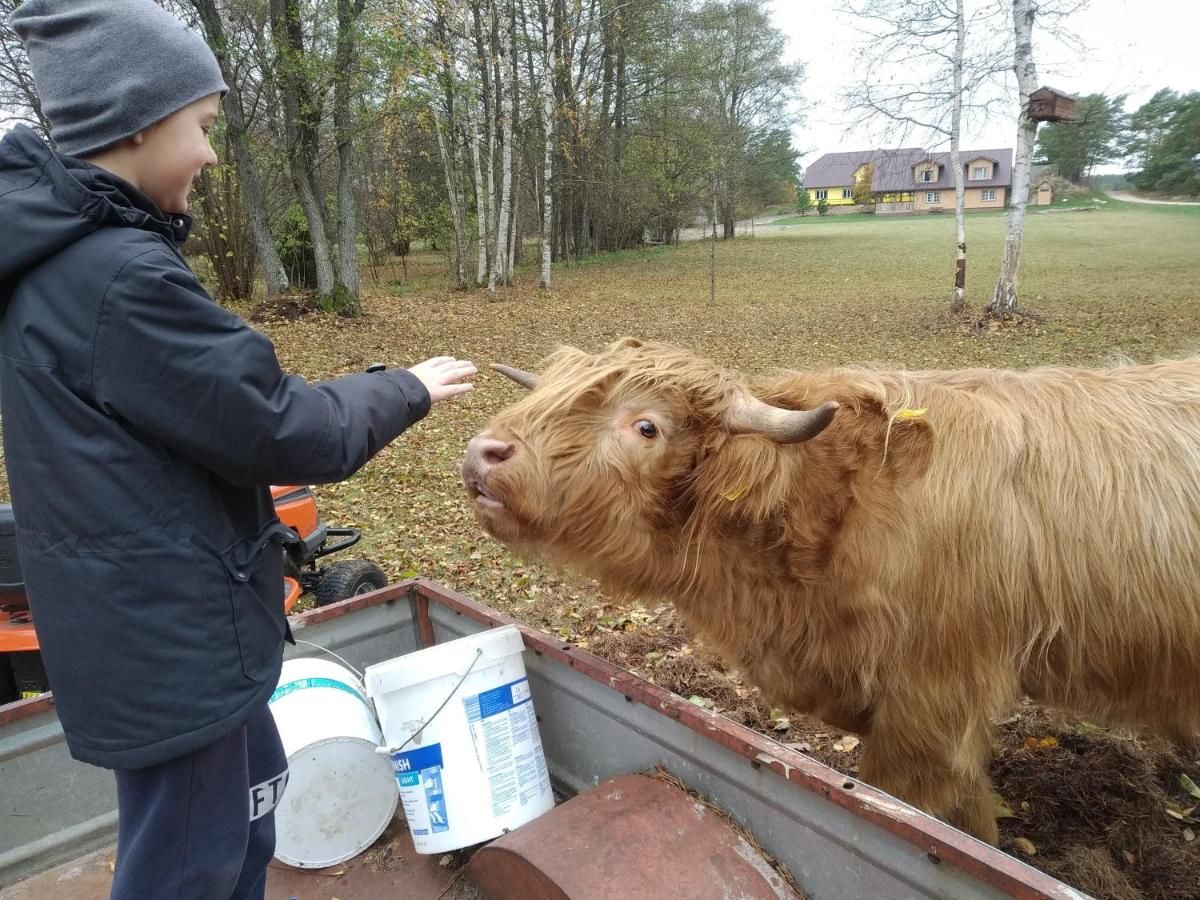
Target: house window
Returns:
[988, 196]
[933, 197]
[822, 195]
[927, 174]
[981, 173]
[847, 194]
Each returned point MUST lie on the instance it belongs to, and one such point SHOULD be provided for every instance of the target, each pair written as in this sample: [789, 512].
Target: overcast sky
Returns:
[1134, 47]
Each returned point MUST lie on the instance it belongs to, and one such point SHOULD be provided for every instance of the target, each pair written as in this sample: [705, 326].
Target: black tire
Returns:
[348, 578]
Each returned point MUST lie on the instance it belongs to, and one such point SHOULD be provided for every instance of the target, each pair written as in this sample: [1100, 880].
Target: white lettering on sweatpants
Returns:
[266, 796]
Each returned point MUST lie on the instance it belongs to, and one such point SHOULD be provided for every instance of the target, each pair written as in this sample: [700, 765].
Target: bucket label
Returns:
[301, 683]
[419, 773]
[505, 733]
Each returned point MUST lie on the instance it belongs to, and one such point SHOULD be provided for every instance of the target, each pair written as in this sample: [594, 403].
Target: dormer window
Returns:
[927, 175]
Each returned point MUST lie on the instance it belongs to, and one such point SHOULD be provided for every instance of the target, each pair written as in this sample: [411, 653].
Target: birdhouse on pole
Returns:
[1048, 105]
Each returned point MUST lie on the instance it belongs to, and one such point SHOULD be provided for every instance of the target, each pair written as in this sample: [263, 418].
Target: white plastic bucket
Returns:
[341, 793]
[460, 729]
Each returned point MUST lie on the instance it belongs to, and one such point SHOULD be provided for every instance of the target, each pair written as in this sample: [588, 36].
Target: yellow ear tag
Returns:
[906, 414]
[734, 494]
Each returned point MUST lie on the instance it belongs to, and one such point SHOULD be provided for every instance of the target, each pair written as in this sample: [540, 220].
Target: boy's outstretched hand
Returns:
[445, 377]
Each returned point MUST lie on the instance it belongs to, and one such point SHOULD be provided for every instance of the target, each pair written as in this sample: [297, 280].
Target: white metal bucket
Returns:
[340, 794]
[460, 729]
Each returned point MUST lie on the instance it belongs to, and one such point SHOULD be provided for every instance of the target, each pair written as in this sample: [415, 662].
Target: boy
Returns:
[142, 424]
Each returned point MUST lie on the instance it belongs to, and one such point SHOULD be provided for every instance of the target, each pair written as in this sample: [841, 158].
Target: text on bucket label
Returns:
[504, 730]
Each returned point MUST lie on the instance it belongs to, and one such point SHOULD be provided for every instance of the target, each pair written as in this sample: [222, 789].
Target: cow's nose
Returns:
[493, 451]
[483, 453]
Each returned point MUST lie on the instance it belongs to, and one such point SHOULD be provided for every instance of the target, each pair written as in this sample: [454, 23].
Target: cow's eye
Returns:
[646, 428]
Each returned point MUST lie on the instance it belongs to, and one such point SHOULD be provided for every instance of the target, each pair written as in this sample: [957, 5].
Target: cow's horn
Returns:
[787, 426]
[520, 376]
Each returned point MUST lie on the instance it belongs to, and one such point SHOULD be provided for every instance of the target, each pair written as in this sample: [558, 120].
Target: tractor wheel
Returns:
[347, 579]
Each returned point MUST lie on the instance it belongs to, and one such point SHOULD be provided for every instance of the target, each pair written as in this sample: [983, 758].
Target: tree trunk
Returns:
[960, 216]
[1004, 300]
[712, 252]
[346, 300]
[484, 46]
[235, 128]
[547, 164]
[505, 98]
[448, 145]
[481, 208]
[300, 116]
[456, 210]
[514, 229]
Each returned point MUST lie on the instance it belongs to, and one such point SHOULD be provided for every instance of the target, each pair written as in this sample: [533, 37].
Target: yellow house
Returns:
[911, 179]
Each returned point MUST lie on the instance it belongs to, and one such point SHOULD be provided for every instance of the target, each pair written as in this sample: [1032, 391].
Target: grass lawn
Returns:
[1121, 280]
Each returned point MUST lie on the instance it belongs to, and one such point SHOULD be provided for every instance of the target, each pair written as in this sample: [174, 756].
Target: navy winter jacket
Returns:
[142, 426]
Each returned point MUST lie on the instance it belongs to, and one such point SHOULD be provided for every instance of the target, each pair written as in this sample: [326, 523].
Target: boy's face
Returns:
[171, 153]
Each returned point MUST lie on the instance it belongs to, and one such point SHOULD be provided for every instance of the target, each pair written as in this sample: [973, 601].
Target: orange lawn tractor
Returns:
[21, 672]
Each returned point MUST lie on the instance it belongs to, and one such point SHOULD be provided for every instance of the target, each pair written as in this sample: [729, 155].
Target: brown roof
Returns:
[893, 169]
[837, 169]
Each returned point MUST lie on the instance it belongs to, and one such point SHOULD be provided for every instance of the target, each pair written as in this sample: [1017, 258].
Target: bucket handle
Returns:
[334, 655]
[388, 751]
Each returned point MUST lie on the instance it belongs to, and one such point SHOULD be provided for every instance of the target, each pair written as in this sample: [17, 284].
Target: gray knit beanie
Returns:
[106, 69]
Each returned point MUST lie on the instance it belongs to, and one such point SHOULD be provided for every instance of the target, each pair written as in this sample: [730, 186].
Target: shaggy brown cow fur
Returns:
[951, 541]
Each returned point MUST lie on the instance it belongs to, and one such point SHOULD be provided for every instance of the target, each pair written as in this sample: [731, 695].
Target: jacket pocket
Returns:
[254, 568]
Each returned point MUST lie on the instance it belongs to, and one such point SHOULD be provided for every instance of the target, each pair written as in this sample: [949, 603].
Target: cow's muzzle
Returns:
[484, 453]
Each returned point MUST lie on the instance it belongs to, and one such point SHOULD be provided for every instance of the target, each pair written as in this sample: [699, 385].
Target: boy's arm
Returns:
[182, 369]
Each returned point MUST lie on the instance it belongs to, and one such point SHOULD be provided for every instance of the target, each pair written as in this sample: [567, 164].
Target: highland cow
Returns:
[901, 554]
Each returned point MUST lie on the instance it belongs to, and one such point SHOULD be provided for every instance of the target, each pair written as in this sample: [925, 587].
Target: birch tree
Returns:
[1004, 299]
[505, 98]
[445, 119]
[481, 201]
[548, 155]
[960, 190]
[919, 77]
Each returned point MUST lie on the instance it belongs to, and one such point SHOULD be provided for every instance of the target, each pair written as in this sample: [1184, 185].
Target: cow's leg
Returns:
[943, 774]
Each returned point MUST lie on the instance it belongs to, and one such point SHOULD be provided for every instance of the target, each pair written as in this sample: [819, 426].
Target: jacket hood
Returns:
[48, 202]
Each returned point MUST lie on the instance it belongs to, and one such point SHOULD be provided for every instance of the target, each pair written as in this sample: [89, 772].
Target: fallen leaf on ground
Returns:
[1025, 847]
[1000, 808]
[847, 743]
[1032, 743]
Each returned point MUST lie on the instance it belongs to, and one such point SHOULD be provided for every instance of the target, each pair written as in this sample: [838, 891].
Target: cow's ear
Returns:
[627, 343]
[907, 441]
